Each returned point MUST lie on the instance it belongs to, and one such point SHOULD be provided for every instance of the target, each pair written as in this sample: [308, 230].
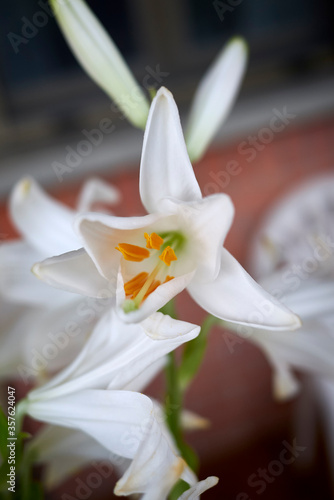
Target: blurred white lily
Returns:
[55, 323]
[292, 255]
[311, 348]
[179, 245]
[100, 58]
[215, 96]
[63, 451]
[95, 395]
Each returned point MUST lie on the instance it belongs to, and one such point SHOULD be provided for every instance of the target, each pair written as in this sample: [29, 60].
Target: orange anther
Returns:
[153, 240]
[168, 278]
[133, 286]
[133, 252]
[167, 256]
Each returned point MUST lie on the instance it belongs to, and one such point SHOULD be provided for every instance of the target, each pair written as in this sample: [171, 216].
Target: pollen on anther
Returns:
[133, 253]
[168, 278]
[133, 286]
[167, 256]
[153, 240]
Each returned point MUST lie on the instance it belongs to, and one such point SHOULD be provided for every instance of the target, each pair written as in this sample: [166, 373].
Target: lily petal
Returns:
[74, 272]
[64, 452]
[117, 353]
[101, 59]
[18, 284]
[215, 97]
[195, 491]
[14, 320]
[96, 412]
[124, 423]
[209, 221]
[234, 296]
[165, 169]
[97, 191]
[102, 233]
[45, 224]
[155, 301]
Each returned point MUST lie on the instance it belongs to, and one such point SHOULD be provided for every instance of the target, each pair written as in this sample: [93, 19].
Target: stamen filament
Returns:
[141, 295]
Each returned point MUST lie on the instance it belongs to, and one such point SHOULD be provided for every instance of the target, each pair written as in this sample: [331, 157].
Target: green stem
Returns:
[173, 410]
[194, 352]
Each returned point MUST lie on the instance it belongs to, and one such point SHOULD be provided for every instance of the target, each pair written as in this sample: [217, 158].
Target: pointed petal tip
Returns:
[22, 188]
[163, 91]
[36, 268]
[239, 40]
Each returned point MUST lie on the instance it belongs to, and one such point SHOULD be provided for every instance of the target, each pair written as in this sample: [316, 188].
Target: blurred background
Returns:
[46, 101]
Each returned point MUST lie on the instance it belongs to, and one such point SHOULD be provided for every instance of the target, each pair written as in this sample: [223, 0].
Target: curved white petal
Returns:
[285, 383]
[117, 353]
[45, 223]
[101, 59]
[156, 467]
[102, 233]
[104, 415]
[206, 223]
[18, 284]
[58, 334]
[125, 424]
[155, 301]
[165, 169]
[74, 272]
[215, 97]
[162, 327]
[64, 451]
[97, 191]
[16, 322]
[234, 296]
[195, 491]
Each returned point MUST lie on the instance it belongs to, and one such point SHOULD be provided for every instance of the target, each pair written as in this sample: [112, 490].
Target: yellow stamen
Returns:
[153, 240]
[133, 253]
[133, 286]
[167, 256]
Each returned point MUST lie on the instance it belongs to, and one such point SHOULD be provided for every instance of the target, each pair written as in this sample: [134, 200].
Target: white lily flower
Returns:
[215, 96]
[63, 452]
[293, 257]
[55, 323]
[148, 260]
[95, 395]
[100, 58]
[310, 349]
